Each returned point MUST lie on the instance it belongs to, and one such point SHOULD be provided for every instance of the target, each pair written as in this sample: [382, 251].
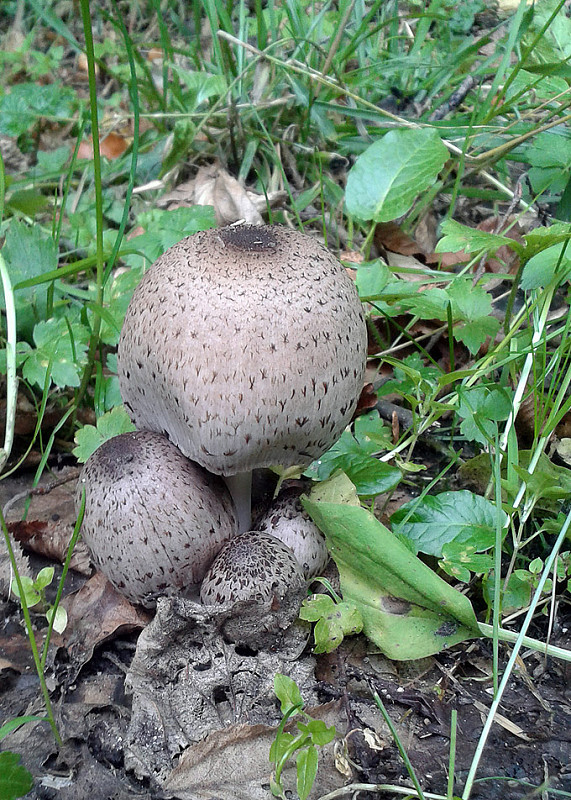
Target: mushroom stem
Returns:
[240, 486]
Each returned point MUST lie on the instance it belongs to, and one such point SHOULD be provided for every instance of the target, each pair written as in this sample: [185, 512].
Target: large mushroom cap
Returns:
[154, 521]
[247, 346]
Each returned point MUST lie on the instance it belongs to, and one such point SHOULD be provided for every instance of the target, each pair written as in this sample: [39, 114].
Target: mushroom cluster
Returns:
[242, 347]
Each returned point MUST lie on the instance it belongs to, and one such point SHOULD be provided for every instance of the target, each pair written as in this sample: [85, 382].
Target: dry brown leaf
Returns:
[232, 764]
[214, 186]
[503, 721]
[6, 572]
[112, 146]
[50, 520]
[351, 256]
[390, 236]
[96, 613]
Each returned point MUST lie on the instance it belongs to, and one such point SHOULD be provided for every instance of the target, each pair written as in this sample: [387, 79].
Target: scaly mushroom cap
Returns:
[252, 566]
[287, 521]
[247, 346]
[154, 521]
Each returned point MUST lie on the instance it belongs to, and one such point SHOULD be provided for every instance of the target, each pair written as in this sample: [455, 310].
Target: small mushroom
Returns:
[287, 520]
[251, 566]
[154, 521]
[246, 345]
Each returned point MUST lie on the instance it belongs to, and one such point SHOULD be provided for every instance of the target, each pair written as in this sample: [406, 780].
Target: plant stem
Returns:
[94, 338]
[11, 377]
[520, 640]
[30, 633]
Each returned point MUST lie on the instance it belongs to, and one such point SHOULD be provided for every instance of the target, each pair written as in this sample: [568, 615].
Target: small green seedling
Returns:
[15, 780]
[35, 595]
[334, 618]
[312, 733]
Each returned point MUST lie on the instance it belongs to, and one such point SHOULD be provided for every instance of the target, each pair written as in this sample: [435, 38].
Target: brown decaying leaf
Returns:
[390, 236]
[6, 572]
[50, 521]
[232, 764]
[97, 613]
[214, 186]
[111, 146]
[367, 400]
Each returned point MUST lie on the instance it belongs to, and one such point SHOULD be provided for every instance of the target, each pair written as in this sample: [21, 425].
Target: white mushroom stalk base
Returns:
[240, 486]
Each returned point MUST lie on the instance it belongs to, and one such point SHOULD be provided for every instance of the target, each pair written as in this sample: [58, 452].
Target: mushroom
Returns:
[259, 576]
[245, 345]
[287, 520]
[153, 521]
[251, 566]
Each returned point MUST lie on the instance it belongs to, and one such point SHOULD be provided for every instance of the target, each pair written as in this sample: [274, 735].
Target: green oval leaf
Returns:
[388, 177]
[306, 771]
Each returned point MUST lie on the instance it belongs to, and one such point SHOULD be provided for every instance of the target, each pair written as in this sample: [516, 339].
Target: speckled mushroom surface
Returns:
[252, 566]
[247, 346]
[154, 521]
[287, 521]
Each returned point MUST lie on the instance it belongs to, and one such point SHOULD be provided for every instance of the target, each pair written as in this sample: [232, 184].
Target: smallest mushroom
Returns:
[262, 579]
[154, 521]
[252, 566]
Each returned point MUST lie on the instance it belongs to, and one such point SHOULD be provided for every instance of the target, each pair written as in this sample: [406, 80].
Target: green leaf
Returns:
[53, 160]
[60, 621]
[165, 228]
[29, 252]
[334, 621]
[451, 516]
[17, 722]
[15, 780]
[392, 172]
[60, 346]
[28, 102]
[307, 761]
[280, 745]
[44, 577]
[541, 268]
[481, 408]
[353, 454]
[31, 594]
[474, 334]
[90, 437]
[458, 237]
[320, 733]
[407, 610]
[287, 692]
[372, 279]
